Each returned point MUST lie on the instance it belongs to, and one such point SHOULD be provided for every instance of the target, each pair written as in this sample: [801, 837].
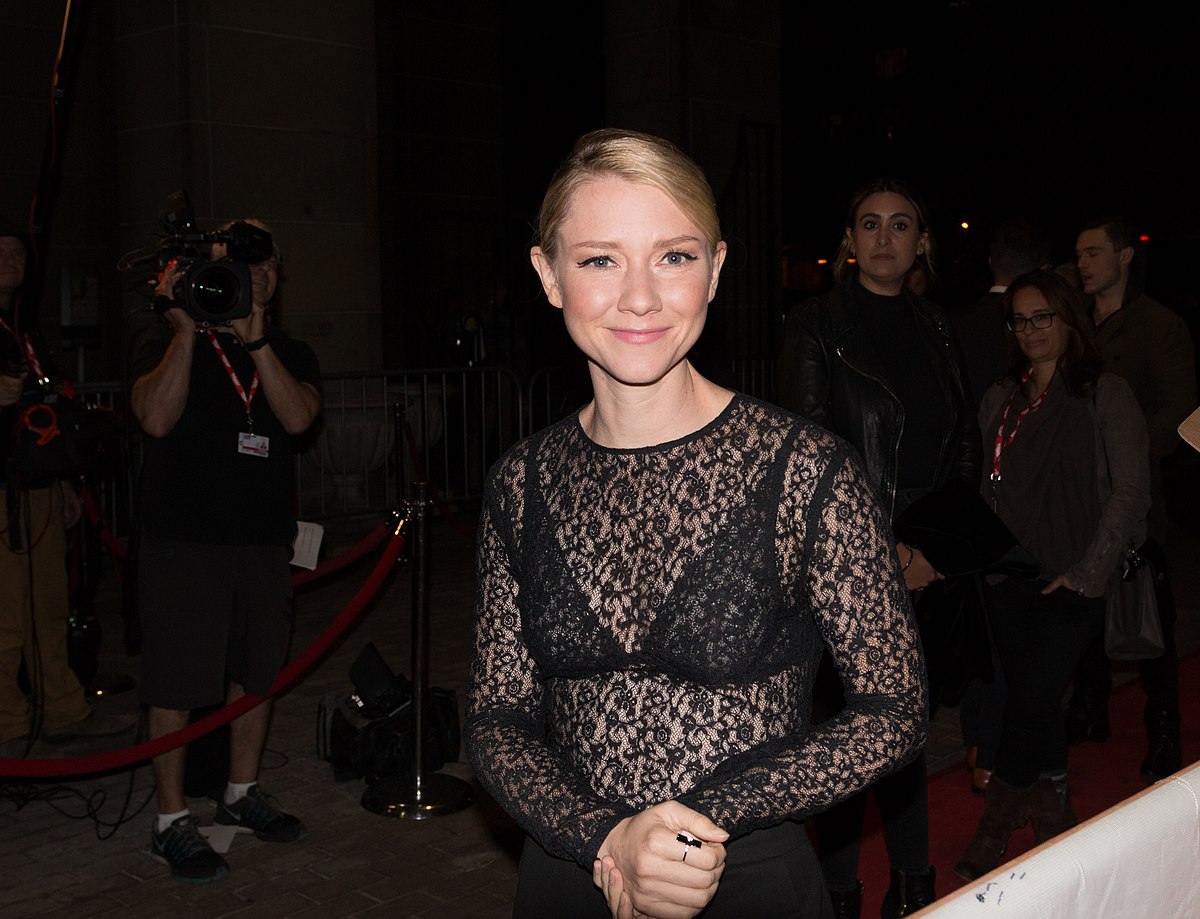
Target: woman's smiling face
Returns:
[633, 276]
[1039, 345]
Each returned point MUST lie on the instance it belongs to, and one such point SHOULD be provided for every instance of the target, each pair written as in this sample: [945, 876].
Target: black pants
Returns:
[769, 874]
[981, 714]
[1159, 675]
[903, 802]
[1040, 640]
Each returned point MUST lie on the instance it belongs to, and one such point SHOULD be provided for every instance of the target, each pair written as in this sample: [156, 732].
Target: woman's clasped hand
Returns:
[671, 879]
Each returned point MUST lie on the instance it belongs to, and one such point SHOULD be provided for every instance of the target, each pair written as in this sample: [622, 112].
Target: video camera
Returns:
[212, 292]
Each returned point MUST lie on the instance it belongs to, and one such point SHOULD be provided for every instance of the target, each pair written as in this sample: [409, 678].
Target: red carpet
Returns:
[1101, 775]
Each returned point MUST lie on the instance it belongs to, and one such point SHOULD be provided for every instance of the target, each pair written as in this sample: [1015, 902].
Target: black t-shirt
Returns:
[195, 484]
[896, 337]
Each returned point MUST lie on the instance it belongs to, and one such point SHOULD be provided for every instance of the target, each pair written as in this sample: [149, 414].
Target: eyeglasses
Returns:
[1037, 320]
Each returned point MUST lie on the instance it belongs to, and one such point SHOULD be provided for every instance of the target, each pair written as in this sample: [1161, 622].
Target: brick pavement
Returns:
[81, 849]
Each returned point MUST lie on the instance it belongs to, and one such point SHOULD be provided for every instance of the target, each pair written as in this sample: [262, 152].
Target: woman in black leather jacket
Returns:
[879, 366]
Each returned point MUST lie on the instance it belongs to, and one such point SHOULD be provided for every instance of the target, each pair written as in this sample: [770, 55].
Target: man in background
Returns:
[36, 510]
[1150, 347]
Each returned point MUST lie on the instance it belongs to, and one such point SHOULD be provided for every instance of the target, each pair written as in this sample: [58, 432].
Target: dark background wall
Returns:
[1051, 110]
[399, 149]
[77, 209]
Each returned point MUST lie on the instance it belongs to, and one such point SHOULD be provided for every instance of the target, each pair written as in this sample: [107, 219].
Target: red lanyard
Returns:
[27, 347]
[1002, 442]
[237, 384]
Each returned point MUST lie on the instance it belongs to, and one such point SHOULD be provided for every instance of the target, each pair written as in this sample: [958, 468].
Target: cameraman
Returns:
[221, 406]
[35, 512]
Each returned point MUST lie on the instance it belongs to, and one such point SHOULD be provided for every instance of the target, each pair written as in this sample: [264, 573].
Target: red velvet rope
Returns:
[299, 579]
[353, 554]
[116, 759]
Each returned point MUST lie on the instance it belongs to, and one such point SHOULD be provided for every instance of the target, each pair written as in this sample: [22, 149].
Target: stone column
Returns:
[262, 110]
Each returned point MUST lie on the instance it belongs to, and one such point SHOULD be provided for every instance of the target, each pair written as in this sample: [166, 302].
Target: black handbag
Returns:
[358, 746]
[959, 534]
[1132, 627]
[368, 733]
[962, 538]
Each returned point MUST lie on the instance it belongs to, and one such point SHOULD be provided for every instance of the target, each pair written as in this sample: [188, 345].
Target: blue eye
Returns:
[599, 261]
[678, 258]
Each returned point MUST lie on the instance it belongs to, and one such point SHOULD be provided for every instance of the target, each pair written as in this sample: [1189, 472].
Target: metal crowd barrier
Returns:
[453, 424]
[456, 422]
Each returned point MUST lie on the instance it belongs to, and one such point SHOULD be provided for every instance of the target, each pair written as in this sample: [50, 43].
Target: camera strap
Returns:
[247, 397]
[26, 346]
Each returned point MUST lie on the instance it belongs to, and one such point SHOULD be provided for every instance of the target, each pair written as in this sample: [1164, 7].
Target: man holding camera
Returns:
[36, 510]
[221, 405]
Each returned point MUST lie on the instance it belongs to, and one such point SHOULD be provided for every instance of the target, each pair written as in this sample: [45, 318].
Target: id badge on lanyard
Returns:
[248, 443]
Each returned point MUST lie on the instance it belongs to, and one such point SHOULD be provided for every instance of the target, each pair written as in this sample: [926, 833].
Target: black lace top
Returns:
[648, 624]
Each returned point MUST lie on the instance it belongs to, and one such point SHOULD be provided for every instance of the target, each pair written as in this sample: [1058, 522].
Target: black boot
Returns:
[1162, 753]
[847, 904]
[1007, 808]
[1051, 805]
[908, 893]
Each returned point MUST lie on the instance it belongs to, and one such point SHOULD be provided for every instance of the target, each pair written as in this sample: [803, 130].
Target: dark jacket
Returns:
[829, 372]
[1150, 346]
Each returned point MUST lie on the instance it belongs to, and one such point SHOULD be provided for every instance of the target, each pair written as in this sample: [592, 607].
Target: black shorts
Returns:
[211, 613]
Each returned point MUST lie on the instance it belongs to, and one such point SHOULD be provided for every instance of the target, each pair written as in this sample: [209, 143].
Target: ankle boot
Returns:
[907, 893]
[1051, 808]
[847, 904]
[1005, 810]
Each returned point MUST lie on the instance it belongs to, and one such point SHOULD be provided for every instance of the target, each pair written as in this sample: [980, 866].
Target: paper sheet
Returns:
[306, 547]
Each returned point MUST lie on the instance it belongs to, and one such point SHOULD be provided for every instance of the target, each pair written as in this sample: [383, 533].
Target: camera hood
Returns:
[216, 292]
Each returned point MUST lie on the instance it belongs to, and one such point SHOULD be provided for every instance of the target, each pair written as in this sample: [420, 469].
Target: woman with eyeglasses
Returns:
[1065, 468]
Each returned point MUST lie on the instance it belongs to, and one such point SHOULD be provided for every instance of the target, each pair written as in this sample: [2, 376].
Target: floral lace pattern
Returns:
[649, 623]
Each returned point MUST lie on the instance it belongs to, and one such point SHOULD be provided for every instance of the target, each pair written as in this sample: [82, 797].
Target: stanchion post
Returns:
[399, 442]
[421, 796]
[420, 629]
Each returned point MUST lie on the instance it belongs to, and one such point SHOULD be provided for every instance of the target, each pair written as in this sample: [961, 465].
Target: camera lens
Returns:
[217, 292]
[216, 289]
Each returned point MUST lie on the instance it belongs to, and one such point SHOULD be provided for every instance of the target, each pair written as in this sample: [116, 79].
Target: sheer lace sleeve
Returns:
[506, 738]
[838, 565]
